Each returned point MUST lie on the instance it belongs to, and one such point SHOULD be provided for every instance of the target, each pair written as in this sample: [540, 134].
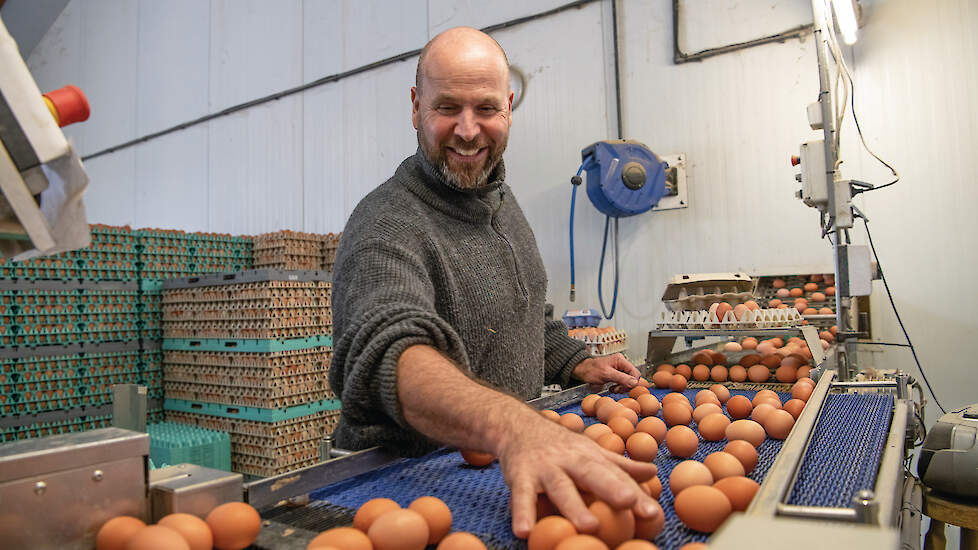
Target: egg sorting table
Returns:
[847, 434]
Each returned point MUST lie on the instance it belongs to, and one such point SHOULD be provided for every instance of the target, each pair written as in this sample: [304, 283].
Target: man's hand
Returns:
[544, 457]
[597, 371]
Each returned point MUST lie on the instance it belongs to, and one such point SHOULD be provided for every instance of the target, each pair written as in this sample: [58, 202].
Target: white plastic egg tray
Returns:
[607, 343]
[759, 318]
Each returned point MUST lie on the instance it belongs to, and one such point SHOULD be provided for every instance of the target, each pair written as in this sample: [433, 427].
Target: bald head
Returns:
[464, 44]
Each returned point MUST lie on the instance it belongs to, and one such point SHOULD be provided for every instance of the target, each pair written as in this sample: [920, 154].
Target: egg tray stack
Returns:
[171, 443]
[760, 318]
[330, 243]
[248, 353]
[598, 344]
[289, 250]
[111, 256]
[765, 292]
[167, 253]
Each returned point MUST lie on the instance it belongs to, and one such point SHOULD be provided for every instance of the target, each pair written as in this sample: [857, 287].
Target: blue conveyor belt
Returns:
[479, 499]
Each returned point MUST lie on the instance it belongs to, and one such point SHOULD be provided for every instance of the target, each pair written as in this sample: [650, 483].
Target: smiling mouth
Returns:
[468, 154]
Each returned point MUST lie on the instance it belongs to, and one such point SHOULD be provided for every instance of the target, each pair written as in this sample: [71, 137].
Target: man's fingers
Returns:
[564, 495]
[624, 365]
[523, 501]
[640, 471]
[618, 377]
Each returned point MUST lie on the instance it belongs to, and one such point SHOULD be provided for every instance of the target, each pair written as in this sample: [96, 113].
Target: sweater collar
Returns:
[472, 205]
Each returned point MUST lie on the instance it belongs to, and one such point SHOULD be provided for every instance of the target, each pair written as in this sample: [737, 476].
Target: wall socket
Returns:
[676, 195]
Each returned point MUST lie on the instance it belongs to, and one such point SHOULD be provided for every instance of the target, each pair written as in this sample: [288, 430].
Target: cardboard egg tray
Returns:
[272, 364]
[607, 343]
[281, 293]
[694, 292]
[761, 318]
[265, 398]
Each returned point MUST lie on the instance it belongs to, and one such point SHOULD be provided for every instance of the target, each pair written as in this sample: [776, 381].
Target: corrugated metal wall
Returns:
[304, 161]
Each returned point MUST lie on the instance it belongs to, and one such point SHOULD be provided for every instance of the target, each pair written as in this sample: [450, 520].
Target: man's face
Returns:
[463, 115]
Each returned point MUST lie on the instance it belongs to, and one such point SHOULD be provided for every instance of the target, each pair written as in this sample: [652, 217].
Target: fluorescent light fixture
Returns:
[845, 15]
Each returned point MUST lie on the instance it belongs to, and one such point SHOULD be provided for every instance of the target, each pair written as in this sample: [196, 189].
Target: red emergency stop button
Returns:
[795, 160]
[68, 105]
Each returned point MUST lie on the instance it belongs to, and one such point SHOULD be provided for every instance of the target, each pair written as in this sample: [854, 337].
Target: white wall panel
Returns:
[111, 194]
[171, 185]
[255, 49]
[172, 73]
[445, 14]
[108, 78]
[323, 38]
[255, 169]
[741, 21]
[357, 132]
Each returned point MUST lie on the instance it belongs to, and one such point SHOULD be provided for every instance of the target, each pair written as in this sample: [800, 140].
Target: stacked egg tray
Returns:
[835, 468]
[759, 318]
[171, 253]
[81, 423]
[36, 384]
[171, 443]
[112, 255]
[289, 250]
[765, 292]
[52, 317]
[248, 353]
[266, 449]
[608, 343]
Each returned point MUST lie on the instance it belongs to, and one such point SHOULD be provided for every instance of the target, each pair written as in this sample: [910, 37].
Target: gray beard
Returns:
[459, 180]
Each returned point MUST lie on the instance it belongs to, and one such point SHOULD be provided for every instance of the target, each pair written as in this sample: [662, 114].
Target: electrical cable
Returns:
[604, 246]
[889, 295]
[881, 344]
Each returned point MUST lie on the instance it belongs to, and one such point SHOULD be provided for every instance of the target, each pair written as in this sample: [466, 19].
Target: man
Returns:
[438, 305]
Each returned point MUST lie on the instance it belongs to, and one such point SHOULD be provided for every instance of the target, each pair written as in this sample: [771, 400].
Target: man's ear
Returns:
[415, 106]
[511, 95]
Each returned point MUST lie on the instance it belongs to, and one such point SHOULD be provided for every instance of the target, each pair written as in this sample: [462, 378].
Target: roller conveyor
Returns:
[845, 453]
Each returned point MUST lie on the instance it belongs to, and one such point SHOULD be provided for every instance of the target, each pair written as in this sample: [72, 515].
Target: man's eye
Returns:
[488, 109]
[446, 108]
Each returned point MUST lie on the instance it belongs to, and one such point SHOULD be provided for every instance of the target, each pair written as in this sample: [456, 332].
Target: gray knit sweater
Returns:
[423, 262]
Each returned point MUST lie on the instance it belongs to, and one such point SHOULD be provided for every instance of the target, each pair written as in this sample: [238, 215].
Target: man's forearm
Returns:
[447, 406]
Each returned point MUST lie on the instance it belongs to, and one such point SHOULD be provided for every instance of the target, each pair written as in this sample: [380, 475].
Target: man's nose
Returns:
[466, 127]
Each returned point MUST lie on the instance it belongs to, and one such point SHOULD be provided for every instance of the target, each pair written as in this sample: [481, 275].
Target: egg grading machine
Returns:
[841, 469]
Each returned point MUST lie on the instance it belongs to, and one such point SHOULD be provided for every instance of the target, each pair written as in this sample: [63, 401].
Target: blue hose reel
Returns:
[624, 178]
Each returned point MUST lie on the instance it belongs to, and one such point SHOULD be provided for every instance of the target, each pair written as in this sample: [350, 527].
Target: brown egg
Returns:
[714, 427]
[778, 424]
[722, 310]
[647, 529]
[594, 431]
[582, 542]
[632, 404]
[602, 401]
[684, 371]
[551, 415]
[758, 373]
[818, 297]
[778, 283]
[682, 441]
[688, 473]
[703, 357]
[193, 530]
[811, 287]
[795, 292]
[792, 361]
[744, 452]
[678, 383]
[371, 510]
[718, 358]
[804, 372]
[760, 412]
[345, 538]
[641, 447]
[732, 347]
[737, 373]
[794, 407]
[748, 430]
[235, 525]
[588, 403]
[674, 398]
[718, 373]
[643, 382]
[809, 311]
[399, 530]
[157, 537]
[706, 409]
[706, 396]
[654, 487]
[723, 465]
[801, 390]
[750, 360]
[783, 293]
[437, 515]
[701, 373]
[662, 379]
[613, 443]
[721, 391]
[621, 426]
[830, 291]
[739, 491]
[638, 391]
[603, 410]
[116, 533]
[772, 361]
[675, 414]
[614, 526]
[764, 348]
[654, 427]
[764, 394]
[626, 413]
[648, 404]
[785, 374]
[572, 422]
[739, 407]
[750, 342]
[460, 541]
[825, 311]
[477, 459]
[665, 367]
[827, 336]
[549, 532]
[703, 508]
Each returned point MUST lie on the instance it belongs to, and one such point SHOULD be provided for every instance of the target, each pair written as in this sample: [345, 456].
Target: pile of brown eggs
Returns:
[230, 526]
[802, 296]
[784, 361]
[706, 492]
[381, 524]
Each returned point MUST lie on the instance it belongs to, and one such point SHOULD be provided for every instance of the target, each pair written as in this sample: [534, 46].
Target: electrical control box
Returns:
[814, 193]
